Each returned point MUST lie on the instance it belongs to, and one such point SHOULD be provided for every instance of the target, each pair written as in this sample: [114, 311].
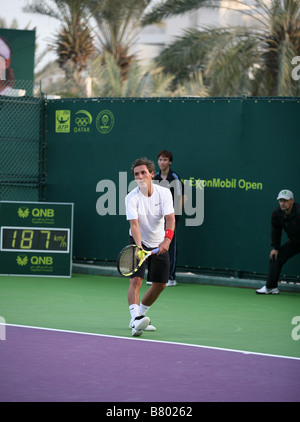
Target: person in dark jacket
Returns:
[170, 179]
[287, 217]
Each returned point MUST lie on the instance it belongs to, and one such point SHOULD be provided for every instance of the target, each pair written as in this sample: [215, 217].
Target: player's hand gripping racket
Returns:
[131, 258]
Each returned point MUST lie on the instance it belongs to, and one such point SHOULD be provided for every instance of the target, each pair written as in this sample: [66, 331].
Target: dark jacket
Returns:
[289, 223]
[174, 183]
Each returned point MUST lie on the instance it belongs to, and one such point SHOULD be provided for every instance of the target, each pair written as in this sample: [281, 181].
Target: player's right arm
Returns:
[136, 232]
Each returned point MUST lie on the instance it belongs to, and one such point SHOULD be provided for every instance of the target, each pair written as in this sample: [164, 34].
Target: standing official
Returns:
[170, 179]
[285, 217]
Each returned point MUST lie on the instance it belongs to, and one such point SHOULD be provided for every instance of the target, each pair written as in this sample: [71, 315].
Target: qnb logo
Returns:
[22, 260]
[2, 328]
[296, 330]
[23, 212]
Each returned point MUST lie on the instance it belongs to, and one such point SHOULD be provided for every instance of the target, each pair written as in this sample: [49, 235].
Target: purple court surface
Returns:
[41, 365]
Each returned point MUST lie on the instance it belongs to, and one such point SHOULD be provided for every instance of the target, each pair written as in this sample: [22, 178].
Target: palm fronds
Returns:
[255, 59]
[140, 82]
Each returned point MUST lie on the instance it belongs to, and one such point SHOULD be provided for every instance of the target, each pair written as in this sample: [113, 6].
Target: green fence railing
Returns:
[22, 143]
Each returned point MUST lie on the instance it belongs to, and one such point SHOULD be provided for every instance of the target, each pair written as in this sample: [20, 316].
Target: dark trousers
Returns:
[286, 252]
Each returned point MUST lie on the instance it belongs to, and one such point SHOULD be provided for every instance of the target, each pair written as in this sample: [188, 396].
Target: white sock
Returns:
[134, 311]
[143, 309]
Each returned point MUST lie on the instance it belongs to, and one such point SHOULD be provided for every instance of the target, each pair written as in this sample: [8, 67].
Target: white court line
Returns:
[153, 341]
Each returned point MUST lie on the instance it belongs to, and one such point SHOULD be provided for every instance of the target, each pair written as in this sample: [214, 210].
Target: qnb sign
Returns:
[39, 212]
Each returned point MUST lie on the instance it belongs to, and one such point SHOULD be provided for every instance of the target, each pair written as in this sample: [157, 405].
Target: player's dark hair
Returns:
[143, 162]
[165, 153]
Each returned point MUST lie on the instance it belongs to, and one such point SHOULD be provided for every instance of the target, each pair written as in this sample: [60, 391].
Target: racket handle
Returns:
[155, 251]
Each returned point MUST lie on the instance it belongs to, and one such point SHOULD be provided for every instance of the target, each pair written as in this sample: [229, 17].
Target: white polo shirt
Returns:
[150, 212]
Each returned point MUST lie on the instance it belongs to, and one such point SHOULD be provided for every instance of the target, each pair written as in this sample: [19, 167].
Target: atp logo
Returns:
[22, 260]
[62, 121]
[23, 212]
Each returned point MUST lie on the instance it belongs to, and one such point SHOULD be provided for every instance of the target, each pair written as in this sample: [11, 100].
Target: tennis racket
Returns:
[131, 258]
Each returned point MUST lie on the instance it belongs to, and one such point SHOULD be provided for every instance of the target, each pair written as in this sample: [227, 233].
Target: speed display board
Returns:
[36, 238]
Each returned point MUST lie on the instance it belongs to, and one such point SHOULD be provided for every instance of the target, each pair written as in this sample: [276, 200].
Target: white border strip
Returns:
[153, 341]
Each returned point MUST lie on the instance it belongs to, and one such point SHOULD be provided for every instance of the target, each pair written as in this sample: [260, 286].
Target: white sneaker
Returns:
[149, 328]
[265, 291]
[139, 324]
[149, 283]
[171, 283]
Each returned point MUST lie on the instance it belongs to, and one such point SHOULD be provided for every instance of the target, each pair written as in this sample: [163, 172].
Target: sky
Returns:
[45, 27]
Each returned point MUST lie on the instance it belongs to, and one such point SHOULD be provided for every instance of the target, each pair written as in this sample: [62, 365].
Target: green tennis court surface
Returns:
[225, 317]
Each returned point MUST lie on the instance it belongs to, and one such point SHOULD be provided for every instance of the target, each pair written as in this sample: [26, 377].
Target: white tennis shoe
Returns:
[171, 283]
[265, 291]
[139, 324]
[132, 325]
[150, 327]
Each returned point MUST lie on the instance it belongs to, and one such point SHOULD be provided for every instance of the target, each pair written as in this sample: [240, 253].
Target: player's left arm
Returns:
[170, 225]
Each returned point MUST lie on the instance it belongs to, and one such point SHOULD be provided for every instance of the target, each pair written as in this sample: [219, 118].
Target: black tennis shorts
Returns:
[158, 266]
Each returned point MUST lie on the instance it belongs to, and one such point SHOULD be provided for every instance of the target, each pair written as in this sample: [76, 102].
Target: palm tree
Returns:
[108, 80]
[14, 24]
[74, 43]
[142, 81]
[256, 60]
[118, 25]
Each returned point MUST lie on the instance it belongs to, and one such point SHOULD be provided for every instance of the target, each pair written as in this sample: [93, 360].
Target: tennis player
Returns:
[150, 212]
[287, 217]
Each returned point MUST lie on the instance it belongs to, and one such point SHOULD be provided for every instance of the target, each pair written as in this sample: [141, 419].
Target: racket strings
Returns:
[128, 260]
